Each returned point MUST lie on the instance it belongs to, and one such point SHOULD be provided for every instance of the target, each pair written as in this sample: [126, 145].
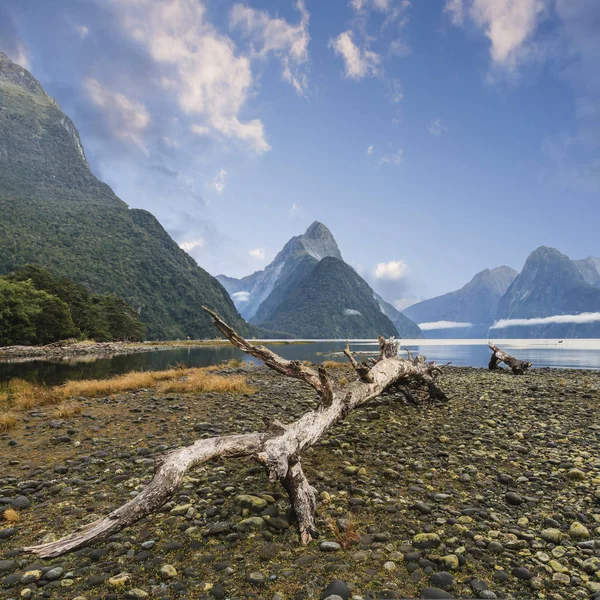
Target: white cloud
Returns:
[370, 150]
[443, 325]
[508, 24]
[456, 10]
[126, 118]
[240, 297]
[436, 127]
[399, 48]
[192, 244]
[396, 94]
[350, 312]
[211, 82]
[258, 253]
[218, 181]
[274, 35]
[295, 210]
[383, 6]
[590, 317]
[19, 55]
[358, 62]
[82, 31]
[392, 270]
[392, 159]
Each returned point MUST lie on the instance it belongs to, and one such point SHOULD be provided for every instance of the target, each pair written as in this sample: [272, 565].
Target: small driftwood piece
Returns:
[498, 355]
[279, 448]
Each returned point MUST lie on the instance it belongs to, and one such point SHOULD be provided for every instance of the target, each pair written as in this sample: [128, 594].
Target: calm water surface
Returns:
[571, 354]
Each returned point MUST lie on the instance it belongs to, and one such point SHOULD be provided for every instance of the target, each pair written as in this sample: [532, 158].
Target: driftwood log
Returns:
[279, 448]
[498, 355]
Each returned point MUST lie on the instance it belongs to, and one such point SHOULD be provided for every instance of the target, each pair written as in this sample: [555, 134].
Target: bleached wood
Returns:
[498, 355]
[279, 448]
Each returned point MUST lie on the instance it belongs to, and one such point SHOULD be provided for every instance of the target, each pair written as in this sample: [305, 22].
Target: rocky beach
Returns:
[495, 494]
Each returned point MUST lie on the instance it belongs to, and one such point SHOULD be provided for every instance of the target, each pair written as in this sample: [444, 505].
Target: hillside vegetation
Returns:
[56, 213]
[37, 308]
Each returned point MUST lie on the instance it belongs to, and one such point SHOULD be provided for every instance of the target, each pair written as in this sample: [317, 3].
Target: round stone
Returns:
[336, 588]
[450, 562]
[119, 580]
[329, 546]
[21, 502]
[136, 593]
[579, 531]
[522, 573]
[168, 571]
[513, 498]
[443, 580]
[54, 574]
[256, 578]
[31, 576]
[253, 503]
[576, 475]
[552, 535]
[433, 593]
[426, 541]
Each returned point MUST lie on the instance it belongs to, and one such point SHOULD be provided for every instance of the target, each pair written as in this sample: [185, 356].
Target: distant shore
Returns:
[68, 349]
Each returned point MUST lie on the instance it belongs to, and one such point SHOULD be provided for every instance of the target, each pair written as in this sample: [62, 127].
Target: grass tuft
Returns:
[334, 364]
[20, 396]
[10, 515]
[349, 535]
[7, 421]
[67, 409]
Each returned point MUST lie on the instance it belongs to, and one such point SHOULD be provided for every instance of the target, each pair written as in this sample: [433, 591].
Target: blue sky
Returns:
[434, 138]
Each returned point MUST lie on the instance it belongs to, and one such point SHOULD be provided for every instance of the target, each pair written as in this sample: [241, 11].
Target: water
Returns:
[570, 354]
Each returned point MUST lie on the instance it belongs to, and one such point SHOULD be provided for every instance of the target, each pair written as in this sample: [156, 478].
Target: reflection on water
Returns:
[575, 354]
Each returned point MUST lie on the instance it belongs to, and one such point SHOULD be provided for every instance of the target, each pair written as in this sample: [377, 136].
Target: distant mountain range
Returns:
[548, 299]
[474, 306]
[309, 291]
[55, 213]
[551, 285]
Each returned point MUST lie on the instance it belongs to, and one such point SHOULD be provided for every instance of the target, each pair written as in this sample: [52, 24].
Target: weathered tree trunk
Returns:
[278, 448]
[518, 366]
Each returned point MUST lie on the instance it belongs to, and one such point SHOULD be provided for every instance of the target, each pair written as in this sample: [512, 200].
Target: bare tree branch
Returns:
[518, 366]
[279, 448]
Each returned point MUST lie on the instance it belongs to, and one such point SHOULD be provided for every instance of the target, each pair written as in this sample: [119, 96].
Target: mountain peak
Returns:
[11, 72]
[546, 253]
[317, 229]
[319, 242]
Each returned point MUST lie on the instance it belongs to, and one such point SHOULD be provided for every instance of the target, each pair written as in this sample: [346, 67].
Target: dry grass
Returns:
[21, 395]
[67, 409]
[173, 380]
[349, 535]
[7, 421]
[201, 381]
[10, 515]
[334, 364]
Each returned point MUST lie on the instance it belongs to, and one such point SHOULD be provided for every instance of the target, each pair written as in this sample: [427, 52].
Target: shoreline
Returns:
[60, 350]
[495, 489]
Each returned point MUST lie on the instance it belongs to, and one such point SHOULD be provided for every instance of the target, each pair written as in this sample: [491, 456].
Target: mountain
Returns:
[406, 328]
[257, 295]
[475, 304]
[265, 296]
[333, 301]
[56, 213]
[590, 269]
[550, 285]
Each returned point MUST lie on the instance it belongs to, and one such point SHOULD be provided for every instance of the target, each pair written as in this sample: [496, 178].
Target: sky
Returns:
[435, 138]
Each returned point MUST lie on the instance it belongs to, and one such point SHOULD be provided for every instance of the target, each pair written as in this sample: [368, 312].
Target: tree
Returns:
[31, 316]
